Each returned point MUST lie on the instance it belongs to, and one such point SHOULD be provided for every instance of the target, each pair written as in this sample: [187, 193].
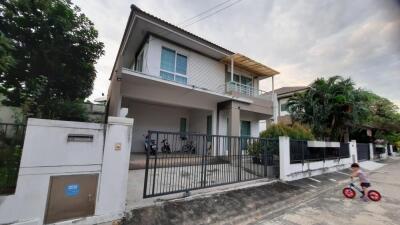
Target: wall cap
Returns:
[64, 124]
[120, 121]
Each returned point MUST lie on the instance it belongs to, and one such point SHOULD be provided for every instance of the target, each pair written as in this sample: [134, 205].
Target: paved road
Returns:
[330, 208]
[310, 201]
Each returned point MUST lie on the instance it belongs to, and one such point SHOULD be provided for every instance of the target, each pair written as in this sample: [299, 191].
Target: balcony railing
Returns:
[243, 89]
[226, 88]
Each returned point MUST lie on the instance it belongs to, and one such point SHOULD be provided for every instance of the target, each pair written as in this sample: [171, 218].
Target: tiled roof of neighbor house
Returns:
[290, 89]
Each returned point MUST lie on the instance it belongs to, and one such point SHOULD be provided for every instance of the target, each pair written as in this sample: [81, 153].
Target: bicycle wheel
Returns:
[349, 193]
[374, 195]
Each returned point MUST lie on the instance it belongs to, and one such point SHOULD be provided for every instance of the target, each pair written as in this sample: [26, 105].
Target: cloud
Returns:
[301, 39]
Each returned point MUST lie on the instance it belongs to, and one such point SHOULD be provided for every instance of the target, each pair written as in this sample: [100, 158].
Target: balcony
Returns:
[235, 88]
[228, 90]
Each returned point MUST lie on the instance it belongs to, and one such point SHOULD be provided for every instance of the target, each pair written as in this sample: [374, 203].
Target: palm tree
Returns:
[330, 107]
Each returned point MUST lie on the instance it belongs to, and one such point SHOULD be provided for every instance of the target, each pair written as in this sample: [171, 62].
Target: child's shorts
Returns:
[365, 185]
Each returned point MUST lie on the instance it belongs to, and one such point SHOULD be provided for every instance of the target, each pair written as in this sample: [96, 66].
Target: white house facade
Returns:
[172, 80]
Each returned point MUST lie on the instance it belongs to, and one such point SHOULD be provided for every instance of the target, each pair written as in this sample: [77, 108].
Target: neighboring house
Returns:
[172, 80]
[9, 114]
[96, 111]
[284, 94]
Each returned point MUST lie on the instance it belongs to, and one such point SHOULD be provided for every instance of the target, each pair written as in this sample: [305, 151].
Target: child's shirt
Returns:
[362, 176]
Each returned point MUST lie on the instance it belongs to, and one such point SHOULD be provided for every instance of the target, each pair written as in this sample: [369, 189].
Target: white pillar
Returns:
[371, 151]
[284, 158]
[114, 175]
[391, 149]
[273, 84]
[385, 154]
[275, 107]
[232, 68]
[353, 151]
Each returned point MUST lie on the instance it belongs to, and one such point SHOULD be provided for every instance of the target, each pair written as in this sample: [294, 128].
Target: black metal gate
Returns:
[363, 151]
[182, 162]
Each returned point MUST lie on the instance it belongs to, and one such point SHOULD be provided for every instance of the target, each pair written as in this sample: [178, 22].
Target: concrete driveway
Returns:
[330, 208]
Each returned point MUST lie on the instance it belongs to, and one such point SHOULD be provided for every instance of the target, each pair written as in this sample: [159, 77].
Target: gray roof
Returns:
[136, 9]
[289, 90]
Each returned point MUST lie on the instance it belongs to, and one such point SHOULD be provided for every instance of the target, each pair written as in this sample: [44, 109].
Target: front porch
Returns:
[160, 117]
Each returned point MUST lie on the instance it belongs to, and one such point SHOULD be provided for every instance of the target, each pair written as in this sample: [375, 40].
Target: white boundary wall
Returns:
[46, 153]
[390, 149]
[297, 171]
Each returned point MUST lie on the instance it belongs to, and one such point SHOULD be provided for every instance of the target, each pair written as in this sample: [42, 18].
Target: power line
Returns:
[203, 18]
[202, 13]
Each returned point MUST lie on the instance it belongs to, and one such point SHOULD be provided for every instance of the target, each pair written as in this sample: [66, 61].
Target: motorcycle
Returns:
[188, 148]
[150, 145]
[165, 146]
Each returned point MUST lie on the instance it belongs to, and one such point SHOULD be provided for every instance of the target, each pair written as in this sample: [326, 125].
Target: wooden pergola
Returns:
[254, 67]
[250, 65]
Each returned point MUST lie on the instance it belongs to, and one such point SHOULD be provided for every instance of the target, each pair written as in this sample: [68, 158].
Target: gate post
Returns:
[116, 156]
[371, 151]
[353, 151]
[284, 157]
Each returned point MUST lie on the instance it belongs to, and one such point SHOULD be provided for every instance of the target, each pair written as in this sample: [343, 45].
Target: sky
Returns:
[303, 40]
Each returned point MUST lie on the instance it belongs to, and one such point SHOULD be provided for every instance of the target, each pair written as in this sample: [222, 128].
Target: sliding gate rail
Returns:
[195, 161]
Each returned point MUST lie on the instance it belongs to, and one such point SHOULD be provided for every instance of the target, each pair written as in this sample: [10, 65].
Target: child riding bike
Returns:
[364, 182]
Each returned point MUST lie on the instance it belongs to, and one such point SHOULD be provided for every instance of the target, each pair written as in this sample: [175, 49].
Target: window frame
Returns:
[239, 75]
[140, 56]
[174, 73]
[284, 107]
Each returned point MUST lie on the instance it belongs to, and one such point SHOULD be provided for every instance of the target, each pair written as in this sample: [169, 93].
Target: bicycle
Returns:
[349, 192]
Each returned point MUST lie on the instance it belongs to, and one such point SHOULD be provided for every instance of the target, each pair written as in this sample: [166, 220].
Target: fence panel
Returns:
[300, 152]
[363, 151]
[182, 161]
[11, 142]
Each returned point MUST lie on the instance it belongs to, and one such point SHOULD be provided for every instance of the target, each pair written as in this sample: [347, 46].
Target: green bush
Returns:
[254, 148]
[295, 131]
[10, 156]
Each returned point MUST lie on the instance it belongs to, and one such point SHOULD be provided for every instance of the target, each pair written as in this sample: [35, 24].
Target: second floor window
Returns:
[139, 62]
[173, 66]
[284, 107]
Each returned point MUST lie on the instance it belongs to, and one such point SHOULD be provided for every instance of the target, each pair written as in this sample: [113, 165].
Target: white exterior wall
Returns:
[198, 121]
[47, 153]
[154, 117]
[297, 171]
[202, 71]
[157, 117]
[223, 122]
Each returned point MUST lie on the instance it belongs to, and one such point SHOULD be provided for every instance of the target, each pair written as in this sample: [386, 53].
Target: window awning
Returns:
[250, 65]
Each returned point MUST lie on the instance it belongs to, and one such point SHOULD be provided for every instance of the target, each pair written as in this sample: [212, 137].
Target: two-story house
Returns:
[172, 80]
[284, 94]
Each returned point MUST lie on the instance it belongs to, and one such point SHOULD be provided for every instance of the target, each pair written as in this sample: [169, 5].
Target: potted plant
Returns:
[254, 149]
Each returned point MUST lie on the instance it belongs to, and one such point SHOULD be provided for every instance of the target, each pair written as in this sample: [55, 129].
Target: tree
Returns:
[55, 49]
[383, 119]
[330, 107]
[6, 60]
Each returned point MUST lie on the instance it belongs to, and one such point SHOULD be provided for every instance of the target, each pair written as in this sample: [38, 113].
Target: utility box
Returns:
[71, 196]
